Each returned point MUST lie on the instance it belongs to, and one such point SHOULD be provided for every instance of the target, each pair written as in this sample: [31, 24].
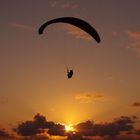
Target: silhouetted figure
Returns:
[69, 73]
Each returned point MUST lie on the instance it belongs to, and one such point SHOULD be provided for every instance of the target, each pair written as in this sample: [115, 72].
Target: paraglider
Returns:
[83, 25]
[69, 73]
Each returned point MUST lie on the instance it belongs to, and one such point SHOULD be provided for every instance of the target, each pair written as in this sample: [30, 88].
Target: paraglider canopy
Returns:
[76, 22]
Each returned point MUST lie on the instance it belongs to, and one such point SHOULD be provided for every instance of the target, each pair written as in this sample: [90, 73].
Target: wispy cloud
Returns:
[22, 26]
[77, 33]
[63, 5]
[135, 41]
[69, 5]
[136, 104]
[134, 35]
[53, 3]
[88, 97]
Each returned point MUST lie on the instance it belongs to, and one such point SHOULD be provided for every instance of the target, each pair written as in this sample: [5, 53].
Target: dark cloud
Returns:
[118, 137]
[137, 132]
[114, 128]
[57, 130]
[38, 125]
[136, 104]
[36, 137]
[74, 136]
[5, 135]
[33, 127]
[39, 128]
[85, 128]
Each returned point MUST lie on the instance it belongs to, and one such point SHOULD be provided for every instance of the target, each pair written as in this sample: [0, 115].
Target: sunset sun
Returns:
[69, 128]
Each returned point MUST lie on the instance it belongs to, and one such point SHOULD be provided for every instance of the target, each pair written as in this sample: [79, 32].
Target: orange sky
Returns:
[33, 68]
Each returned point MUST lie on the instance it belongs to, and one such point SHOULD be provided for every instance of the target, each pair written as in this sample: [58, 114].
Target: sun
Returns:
[69, 128]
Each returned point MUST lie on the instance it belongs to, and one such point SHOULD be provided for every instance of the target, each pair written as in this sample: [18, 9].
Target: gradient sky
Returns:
[33, 67]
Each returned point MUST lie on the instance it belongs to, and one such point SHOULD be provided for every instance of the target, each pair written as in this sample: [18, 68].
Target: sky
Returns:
[33, 79]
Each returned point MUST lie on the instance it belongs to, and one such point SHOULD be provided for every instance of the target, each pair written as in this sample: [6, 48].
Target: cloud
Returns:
[53, 3]
[39, 128]
[84, 98]
[36, 137]
[122, 124]
[135, 41]
[88, 97]
[63, 5]
[137, 132]
[134, 35]
[57, 130]
[5, 135]
[69, 5]
[118, 137]
[39, 125]
[136, 104]
[23, 27]
[30, 128]
[77, 33]
[75, 136]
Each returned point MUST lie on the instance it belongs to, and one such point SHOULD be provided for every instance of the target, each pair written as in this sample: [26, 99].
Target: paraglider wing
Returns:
[76, 22]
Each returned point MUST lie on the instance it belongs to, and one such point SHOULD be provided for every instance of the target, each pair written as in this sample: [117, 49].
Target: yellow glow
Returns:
[69, 128]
